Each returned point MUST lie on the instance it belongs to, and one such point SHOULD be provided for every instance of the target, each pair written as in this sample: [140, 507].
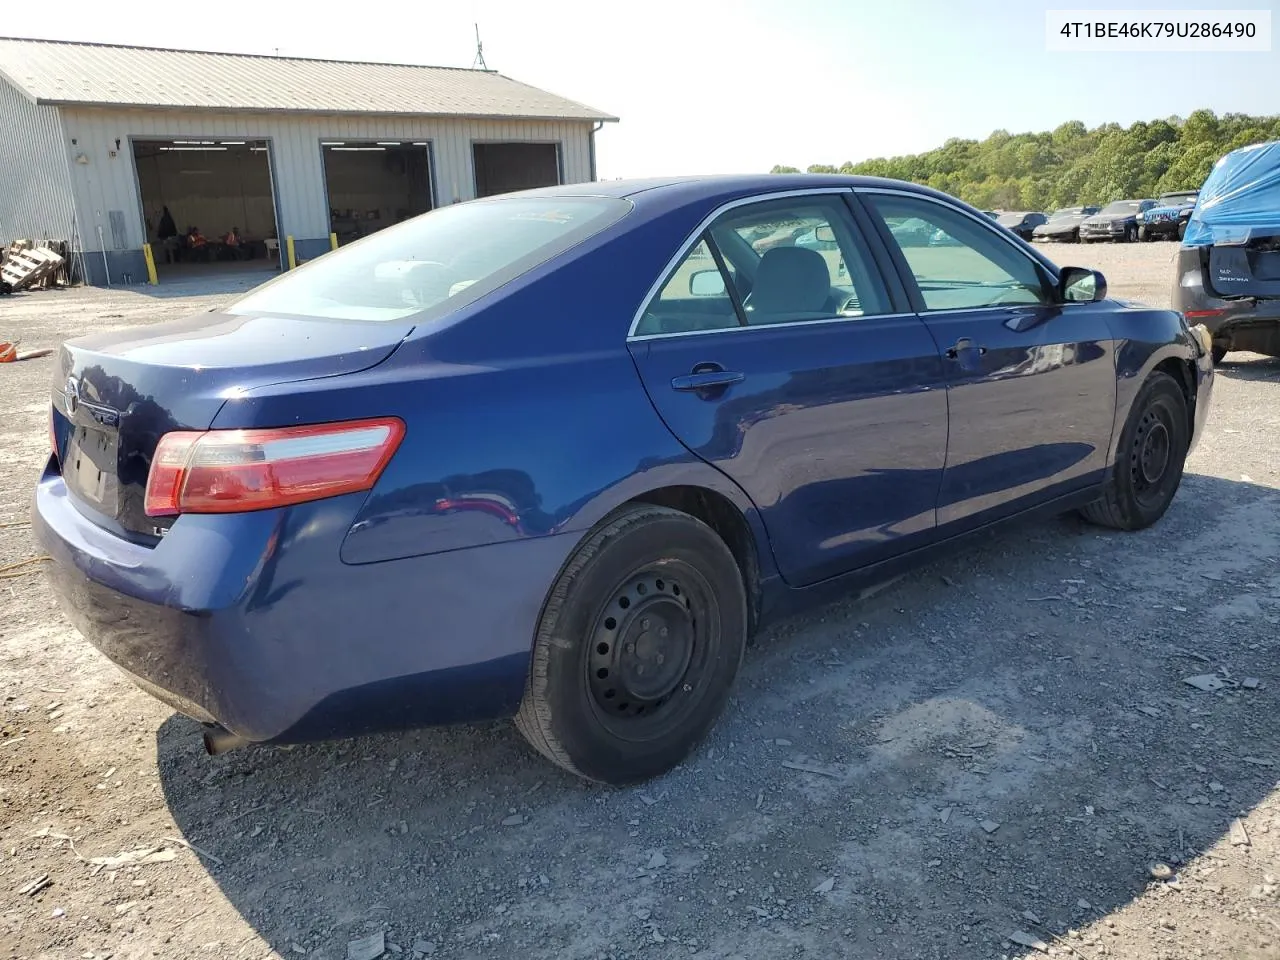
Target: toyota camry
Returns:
[556, 455]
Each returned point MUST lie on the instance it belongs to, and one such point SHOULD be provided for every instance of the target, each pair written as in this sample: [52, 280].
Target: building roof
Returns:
[93, 74]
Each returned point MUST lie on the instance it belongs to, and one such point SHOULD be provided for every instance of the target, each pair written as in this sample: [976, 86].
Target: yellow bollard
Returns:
[293, 260]
[333, 241]
[151, 265]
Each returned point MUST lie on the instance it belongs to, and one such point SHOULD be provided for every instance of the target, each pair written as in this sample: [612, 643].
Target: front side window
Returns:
[432, 264]
[966, 264]
[777, 261]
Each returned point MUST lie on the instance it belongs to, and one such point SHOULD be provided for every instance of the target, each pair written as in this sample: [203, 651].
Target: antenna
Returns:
[479, 63]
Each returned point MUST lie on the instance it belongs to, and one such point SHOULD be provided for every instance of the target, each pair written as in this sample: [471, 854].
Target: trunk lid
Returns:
[1249, 270]
[116, 394]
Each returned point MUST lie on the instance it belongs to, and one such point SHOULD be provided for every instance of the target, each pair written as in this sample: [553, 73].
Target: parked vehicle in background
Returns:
[1063, 224]
[1167, 220]
[991, 213]
[1116, 221]
[911, 231]
[1021, 223]
[657, 438]
[1228, 266]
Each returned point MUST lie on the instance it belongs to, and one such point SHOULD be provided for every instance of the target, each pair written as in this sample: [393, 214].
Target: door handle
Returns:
[964, 343]
[708, 380]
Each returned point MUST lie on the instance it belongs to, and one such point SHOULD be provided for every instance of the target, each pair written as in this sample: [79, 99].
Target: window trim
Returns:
[1051, 271]
[704, 226]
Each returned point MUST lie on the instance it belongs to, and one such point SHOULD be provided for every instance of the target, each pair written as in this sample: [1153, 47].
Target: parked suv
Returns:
[1118, 220]
[1168, 218]
[1228, 267]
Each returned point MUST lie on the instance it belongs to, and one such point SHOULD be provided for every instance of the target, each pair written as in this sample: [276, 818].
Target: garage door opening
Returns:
[372, 185]
[505, 167]
[221, 206]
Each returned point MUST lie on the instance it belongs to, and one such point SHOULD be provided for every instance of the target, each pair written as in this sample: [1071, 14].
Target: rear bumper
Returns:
[253, 620]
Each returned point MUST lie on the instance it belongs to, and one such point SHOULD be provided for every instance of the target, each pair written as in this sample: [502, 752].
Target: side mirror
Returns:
[824, 233]
[706, 283]
[1080, 285]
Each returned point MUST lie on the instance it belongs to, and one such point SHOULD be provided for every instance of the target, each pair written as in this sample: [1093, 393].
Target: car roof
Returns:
[714, 184]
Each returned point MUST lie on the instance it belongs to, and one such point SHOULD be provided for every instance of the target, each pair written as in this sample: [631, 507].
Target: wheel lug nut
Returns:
[644, 624]
[631, 648]
[639, 669]
[660, 659]
[662, 632]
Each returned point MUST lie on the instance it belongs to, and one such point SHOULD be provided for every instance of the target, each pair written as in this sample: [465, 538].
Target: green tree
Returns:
[1072, 164]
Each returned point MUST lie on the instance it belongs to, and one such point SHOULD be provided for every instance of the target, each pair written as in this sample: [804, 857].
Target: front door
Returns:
[1031, 381]
[775, 352]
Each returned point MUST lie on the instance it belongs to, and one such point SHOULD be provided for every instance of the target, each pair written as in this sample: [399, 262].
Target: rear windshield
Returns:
[440, 260]
[1122, 206]
[1067, 212]
[1010, 219]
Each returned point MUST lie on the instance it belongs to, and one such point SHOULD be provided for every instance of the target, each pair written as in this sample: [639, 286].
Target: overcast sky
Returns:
[730, 86]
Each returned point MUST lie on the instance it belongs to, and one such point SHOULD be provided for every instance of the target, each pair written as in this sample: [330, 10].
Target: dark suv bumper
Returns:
[1251, 324]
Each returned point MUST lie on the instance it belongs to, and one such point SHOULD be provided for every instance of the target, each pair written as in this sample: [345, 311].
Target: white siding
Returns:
[35, 191]
[109, 182]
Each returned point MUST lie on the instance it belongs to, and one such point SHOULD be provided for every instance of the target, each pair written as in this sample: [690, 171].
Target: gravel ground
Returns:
[980, 761]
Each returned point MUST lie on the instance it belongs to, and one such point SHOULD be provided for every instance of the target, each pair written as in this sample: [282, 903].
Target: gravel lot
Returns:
[996, 746]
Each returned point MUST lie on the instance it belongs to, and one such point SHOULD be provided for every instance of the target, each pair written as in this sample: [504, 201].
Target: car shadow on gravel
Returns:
[1000, 742]
[1254, 368]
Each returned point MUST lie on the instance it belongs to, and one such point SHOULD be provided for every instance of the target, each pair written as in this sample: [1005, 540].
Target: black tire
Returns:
[1130, 233]
[1149, 460]
[1218, 354]
[1143, 235]
[1182, 229]
[652, 589]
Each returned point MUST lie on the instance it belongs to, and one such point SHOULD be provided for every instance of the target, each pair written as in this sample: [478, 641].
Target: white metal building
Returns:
[97, 141]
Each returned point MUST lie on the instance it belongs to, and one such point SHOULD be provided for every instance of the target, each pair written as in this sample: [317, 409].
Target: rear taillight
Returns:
[233, 471]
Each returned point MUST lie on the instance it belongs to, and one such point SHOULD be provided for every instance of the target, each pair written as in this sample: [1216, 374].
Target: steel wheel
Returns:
[649, 651]
[1149, 459]
[638, 646]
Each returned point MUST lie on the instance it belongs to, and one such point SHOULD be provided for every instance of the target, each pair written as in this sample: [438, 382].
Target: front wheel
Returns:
[1130, 233]
[637, 648]
[1149, 460]
[1143, 234]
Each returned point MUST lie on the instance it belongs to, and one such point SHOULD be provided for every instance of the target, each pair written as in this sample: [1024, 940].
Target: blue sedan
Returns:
[556, 455]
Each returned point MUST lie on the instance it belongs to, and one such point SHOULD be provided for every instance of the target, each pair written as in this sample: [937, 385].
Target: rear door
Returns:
[1031, 382]
[775, 350]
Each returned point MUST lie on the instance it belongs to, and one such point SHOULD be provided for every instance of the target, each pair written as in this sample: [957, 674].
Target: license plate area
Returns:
[89, 467]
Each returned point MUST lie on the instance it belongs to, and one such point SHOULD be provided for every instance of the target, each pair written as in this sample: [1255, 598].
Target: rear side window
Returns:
[772, 262]
[435, 263]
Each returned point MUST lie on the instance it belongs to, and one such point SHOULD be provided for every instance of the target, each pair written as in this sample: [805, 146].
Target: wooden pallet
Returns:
[25, 268]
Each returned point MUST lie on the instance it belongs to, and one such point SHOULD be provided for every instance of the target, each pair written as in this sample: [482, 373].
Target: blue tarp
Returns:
[1240, 199]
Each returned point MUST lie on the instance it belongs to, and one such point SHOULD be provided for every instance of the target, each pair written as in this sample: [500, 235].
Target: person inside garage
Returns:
[167, 234]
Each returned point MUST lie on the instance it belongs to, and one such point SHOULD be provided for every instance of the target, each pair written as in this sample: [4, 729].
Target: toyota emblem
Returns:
[73, 395]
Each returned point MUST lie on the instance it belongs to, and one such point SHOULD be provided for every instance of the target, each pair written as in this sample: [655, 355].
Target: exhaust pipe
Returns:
[218, 739]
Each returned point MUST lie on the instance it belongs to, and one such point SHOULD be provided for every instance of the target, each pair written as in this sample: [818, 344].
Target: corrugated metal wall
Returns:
[108, 183]
[35, 191]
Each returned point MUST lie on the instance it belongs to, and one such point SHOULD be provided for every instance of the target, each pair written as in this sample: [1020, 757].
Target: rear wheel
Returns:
[1219, 352]
[637, 649]
[1149, 461]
